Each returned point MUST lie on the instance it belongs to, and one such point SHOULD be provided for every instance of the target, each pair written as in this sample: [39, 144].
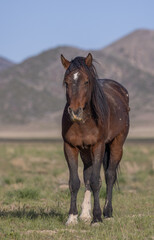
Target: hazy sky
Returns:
[28, 27]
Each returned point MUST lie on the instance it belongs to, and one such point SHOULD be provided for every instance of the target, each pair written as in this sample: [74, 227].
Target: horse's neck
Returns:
[87, 114]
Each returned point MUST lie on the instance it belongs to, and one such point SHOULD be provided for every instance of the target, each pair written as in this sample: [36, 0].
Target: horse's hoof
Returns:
[72, 220]
[85, 218]
[108, 217]
[107, 213]
[95, 224]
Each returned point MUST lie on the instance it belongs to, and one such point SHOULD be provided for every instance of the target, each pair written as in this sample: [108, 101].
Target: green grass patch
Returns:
[22, 194]
[35, 198]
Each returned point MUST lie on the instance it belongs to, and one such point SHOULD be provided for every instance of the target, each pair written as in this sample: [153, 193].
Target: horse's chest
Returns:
[82, 135]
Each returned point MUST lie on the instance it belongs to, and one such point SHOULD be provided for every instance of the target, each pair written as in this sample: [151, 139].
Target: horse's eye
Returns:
[66, 84]
[86, 83]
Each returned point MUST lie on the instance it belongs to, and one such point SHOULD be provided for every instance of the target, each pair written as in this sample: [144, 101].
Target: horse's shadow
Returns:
[32, 214]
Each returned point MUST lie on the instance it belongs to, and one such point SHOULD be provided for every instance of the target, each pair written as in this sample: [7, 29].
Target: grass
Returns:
[34, 195]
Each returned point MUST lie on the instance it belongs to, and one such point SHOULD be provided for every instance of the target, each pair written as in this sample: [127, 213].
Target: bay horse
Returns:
[95, 124]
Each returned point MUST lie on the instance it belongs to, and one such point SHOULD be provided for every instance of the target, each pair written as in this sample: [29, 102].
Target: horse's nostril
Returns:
[69, 110]
[78, 111]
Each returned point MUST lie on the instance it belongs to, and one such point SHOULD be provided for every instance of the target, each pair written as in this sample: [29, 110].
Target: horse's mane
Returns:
[98, 101]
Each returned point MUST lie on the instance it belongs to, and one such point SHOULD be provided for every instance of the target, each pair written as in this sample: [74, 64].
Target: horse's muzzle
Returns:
[76, 115]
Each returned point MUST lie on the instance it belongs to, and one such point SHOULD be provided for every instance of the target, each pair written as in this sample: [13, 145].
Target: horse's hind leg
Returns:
[86, 205]
[116, 150]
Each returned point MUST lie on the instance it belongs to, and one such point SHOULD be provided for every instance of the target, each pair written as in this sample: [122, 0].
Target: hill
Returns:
[137, 48]
[32, 96]
[5, 63]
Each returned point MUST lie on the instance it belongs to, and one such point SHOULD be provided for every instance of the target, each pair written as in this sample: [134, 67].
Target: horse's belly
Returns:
[118, 125]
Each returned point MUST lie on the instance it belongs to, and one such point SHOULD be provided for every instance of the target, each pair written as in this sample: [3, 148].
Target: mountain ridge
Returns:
[137, 48]
[5, 63]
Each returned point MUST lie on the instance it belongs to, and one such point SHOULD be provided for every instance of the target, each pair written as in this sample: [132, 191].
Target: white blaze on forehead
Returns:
[75, 75]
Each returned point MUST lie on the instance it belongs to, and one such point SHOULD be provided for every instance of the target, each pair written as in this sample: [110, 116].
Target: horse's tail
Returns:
[106, 161]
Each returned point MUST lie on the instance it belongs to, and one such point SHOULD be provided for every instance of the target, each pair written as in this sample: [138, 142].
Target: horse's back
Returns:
[115, 92]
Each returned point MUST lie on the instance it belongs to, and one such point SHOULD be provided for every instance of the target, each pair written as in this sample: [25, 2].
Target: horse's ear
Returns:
[65, 62]
[89, 60]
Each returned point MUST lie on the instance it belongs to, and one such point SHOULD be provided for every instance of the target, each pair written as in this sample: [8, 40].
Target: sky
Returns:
[28, 27]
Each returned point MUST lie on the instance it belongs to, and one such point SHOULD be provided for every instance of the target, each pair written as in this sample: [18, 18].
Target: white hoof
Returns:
[72, 220]
[85, 217]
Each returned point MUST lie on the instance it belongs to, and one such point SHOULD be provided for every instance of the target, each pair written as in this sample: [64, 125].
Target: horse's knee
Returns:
[74, 184]
[95, 183]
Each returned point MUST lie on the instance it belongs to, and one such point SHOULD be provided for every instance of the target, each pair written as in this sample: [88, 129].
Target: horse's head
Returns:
[78, 85]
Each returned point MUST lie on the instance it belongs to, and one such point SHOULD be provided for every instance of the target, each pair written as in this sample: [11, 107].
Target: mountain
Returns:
[5, 63]
[32, 96]
[137, 48]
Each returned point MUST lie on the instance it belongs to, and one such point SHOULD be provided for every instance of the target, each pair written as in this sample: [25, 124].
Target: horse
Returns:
[95, 124]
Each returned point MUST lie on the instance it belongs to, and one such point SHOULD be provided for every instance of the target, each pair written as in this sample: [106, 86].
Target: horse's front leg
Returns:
[86, 205]
[71, 155]
[95, 181]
